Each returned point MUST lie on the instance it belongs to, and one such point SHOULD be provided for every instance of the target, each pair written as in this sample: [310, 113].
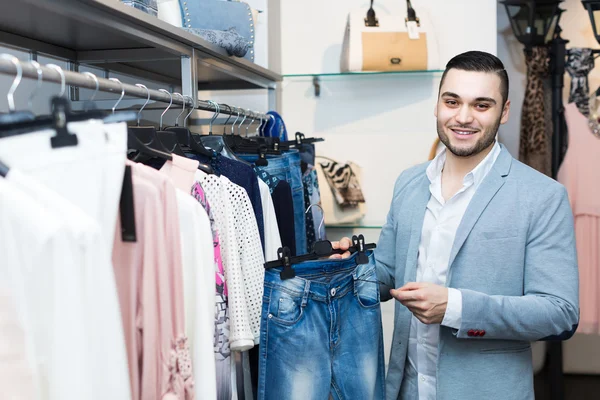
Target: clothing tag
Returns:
[126, 208]
[413, 30]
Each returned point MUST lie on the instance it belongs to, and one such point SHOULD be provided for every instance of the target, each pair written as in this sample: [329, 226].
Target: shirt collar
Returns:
[476, 176]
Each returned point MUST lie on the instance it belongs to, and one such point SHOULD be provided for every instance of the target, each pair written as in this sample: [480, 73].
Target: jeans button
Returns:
[333, 292]
[270, 316]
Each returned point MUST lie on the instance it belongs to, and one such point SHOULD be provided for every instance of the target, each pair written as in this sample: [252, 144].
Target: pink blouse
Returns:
[149, 278]
[580, 173]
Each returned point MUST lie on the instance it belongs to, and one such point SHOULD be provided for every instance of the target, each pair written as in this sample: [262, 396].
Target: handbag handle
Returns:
[410, 12]
[371, 19]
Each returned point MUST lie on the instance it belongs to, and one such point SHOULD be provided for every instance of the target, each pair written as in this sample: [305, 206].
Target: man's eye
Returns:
[482, 106]
[451, 102]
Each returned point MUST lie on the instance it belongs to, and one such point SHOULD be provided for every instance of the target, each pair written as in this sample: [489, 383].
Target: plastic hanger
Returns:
[146, 134]
[185, 139]
[216, 142]
[142, 138]
[168, 138]
[90, 103]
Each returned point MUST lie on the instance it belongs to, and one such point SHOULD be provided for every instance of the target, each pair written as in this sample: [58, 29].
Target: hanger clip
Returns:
[299, 138]
[359, 243]
[60, 113]
[262, 156]
[284, 255]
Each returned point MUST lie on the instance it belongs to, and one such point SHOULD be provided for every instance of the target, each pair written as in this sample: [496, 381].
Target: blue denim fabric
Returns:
[220, 16]
[287, 168]
[147, 6]
[321, 333]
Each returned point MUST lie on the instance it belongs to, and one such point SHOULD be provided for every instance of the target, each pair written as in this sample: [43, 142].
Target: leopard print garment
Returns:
[536, 130]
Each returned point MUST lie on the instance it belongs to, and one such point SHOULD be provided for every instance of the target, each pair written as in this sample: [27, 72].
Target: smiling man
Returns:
[479, 252]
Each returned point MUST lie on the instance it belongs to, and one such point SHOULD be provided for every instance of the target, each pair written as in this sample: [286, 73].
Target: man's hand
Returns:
[343, 244]
[425, 300]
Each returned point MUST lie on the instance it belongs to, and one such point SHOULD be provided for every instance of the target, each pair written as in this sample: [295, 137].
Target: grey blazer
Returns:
[515, 263]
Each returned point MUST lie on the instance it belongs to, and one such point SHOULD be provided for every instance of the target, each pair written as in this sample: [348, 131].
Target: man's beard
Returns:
[486, 140]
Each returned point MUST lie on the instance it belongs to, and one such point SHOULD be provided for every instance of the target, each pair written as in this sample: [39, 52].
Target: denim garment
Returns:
[147, 6]
[287, 168]
[321, 333]
[220, 15]
[312, 196]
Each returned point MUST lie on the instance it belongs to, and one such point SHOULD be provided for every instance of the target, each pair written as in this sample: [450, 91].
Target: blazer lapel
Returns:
[486, 192]
[419, 201]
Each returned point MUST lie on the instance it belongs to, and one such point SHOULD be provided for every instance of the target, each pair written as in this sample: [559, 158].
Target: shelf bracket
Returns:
[317, 85]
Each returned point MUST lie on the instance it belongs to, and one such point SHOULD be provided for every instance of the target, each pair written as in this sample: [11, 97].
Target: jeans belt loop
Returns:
[306, 293]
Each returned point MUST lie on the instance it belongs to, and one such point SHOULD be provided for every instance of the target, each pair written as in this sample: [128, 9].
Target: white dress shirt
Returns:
[441, 222]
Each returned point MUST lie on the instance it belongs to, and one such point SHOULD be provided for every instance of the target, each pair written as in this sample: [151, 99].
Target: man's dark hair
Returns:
[480, 61]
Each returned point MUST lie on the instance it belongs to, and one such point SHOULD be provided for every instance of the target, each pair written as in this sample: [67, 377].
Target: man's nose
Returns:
[463, 115]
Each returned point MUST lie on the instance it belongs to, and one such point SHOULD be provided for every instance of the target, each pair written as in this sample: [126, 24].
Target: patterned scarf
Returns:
[579, 64]
[344, 184]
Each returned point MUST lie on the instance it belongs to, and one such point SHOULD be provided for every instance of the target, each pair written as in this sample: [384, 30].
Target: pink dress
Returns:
[580, 173]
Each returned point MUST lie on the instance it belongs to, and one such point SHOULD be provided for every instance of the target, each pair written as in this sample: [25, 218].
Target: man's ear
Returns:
[505, 112]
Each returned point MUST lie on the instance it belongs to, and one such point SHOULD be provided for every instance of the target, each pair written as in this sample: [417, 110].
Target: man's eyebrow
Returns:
[450, 94]
[486, 99]
[479, 99]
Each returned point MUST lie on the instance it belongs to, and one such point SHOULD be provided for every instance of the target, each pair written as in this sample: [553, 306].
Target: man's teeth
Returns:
[463, 132]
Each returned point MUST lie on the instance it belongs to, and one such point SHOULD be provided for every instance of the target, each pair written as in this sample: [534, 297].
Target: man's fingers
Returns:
[411, 286]
[406, 295]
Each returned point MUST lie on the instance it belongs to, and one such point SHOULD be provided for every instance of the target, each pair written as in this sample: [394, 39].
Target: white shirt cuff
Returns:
[453, 316]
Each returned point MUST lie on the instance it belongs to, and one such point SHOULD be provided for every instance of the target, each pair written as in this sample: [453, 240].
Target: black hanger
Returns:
[216, 142]
[300, 140]
[184, 136]
[166, 138]
[3, 169]
[321, 249]
[146, 135]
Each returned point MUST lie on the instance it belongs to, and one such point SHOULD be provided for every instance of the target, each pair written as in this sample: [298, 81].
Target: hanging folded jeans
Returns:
[287, 167]
[147, 6]
[321, 333]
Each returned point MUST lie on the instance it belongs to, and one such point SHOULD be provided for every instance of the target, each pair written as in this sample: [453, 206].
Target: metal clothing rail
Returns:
[88, 80]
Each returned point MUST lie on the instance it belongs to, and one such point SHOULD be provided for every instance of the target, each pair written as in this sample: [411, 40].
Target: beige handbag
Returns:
[389, 42]
[334, 212]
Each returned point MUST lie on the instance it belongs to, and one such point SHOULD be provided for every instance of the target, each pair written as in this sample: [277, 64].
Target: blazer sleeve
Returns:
[385, 254]
[549, 308]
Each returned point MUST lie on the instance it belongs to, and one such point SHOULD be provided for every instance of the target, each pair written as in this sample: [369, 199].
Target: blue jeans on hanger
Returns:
[321, 333]
[287, 167]
[147, 6]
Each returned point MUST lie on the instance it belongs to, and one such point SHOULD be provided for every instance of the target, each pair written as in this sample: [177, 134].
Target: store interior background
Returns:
[384, 123]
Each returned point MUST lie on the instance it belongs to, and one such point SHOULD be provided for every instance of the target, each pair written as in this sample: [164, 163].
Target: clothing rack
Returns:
[81, 80]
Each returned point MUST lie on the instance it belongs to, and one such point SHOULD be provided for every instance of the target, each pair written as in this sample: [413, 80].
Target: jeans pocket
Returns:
[366, 290]
[285, 310]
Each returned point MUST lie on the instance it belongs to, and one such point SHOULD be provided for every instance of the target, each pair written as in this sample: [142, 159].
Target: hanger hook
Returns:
[241, 123]
[192, 108]
[228, 118]
[237, 110]
[139, 114]
[272, 125]
[182, 109]
[122, 93]
[63, 83]
[40, 77]
[251, 122]
[16, 82]
[214, 117]
[95, 78]
[166, 109]
[322, 217]
[259, 127]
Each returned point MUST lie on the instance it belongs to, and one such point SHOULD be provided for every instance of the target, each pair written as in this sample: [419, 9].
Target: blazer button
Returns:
[471, 332]
[482, 333]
